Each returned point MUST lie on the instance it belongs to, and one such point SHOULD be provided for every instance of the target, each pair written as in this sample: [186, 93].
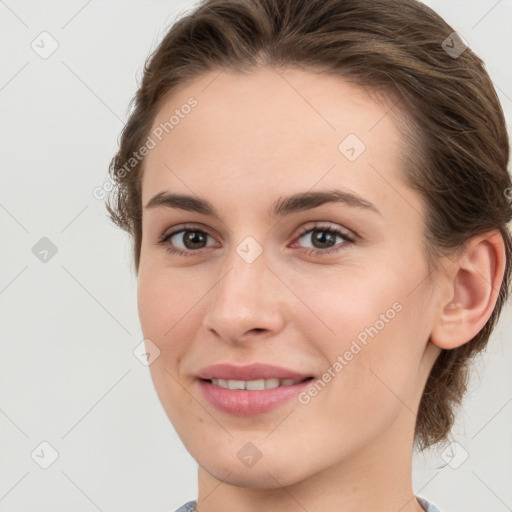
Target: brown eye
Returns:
[323, 239]
[185, 241]
[191, 239]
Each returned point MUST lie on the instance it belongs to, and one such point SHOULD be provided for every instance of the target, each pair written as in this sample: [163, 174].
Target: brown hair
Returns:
[458, 147]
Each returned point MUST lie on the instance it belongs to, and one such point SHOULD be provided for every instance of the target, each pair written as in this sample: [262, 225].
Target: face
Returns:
[336, 290]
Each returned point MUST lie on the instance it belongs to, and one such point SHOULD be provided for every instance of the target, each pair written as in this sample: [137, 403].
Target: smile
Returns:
[254, 385]
[251, 397]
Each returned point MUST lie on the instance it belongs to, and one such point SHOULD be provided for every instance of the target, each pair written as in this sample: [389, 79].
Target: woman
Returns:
[317, 194]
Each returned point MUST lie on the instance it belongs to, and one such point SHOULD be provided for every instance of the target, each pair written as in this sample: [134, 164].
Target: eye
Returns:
[324, 238]
[191, 237]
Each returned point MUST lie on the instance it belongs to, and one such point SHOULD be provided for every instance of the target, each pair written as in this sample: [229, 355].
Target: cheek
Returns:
[155, 307]
[164, 300]
[170, 311]
[164, 313]
[343, 306]
[370, 328]
[373, 379]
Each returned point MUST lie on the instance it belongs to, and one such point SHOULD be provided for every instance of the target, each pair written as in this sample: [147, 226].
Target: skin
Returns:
[252, 139]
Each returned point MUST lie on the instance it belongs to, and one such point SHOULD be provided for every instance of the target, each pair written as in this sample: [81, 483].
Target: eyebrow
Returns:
[283, 206]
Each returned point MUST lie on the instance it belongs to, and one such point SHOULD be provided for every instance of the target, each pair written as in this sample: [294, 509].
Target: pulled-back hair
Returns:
[458, 147]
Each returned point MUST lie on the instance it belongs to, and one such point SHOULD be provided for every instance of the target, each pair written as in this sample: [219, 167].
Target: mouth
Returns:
[251, 397]
[250, 389]
[255, 385]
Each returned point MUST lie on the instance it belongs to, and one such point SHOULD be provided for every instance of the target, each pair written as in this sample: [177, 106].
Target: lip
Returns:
[249, 402]
[252, 371]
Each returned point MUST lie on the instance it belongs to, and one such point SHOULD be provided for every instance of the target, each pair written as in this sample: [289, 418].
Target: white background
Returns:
[69, 326]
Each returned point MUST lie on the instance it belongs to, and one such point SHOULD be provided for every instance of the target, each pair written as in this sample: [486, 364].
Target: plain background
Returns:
[69, 325]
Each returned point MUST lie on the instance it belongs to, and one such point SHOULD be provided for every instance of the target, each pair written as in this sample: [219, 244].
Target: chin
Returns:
[271, 473]
[264, 478]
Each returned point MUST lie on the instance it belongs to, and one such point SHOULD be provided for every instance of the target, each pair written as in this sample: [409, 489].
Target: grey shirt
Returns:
[190, 506]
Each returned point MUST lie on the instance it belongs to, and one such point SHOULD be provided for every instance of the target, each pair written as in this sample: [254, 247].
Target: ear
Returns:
[474, 282]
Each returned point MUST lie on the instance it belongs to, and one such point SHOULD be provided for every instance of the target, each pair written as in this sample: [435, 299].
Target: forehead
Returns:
[270, 128]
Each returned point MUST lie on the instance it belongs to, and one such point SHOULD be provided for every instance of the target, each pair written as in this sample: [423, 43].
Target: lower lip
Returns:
[249, 403]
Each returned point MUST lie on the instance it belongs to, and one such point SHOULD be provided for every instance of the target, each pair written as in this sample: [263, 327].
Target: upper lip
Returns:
[253, 371]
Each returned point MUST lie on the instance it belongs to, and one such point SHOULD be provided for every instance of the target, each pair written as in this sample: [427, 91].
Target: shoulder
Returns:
[427, 505]
[190, 506]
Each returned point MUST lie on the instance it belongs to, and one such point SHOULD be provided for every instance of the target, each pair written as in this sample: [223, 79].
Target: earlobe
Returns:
[474, 284]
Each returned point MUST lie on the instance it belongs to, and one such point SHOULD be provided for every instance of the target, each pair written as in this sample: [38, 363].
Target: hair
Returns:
[458, 142]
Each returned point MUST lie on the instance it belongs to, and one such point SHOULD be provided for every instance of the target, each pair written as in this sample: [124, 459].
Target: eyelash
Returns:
[162, 240]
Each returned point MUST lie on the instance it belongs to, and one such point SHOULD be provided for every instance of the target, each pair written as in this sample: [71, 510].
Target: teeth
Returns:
[270, 383]
[236, 384]
[253, 385]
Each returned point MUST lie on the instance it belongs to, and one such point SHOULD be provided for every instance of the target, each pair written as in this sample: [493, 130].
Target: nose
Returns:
[248, 299]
